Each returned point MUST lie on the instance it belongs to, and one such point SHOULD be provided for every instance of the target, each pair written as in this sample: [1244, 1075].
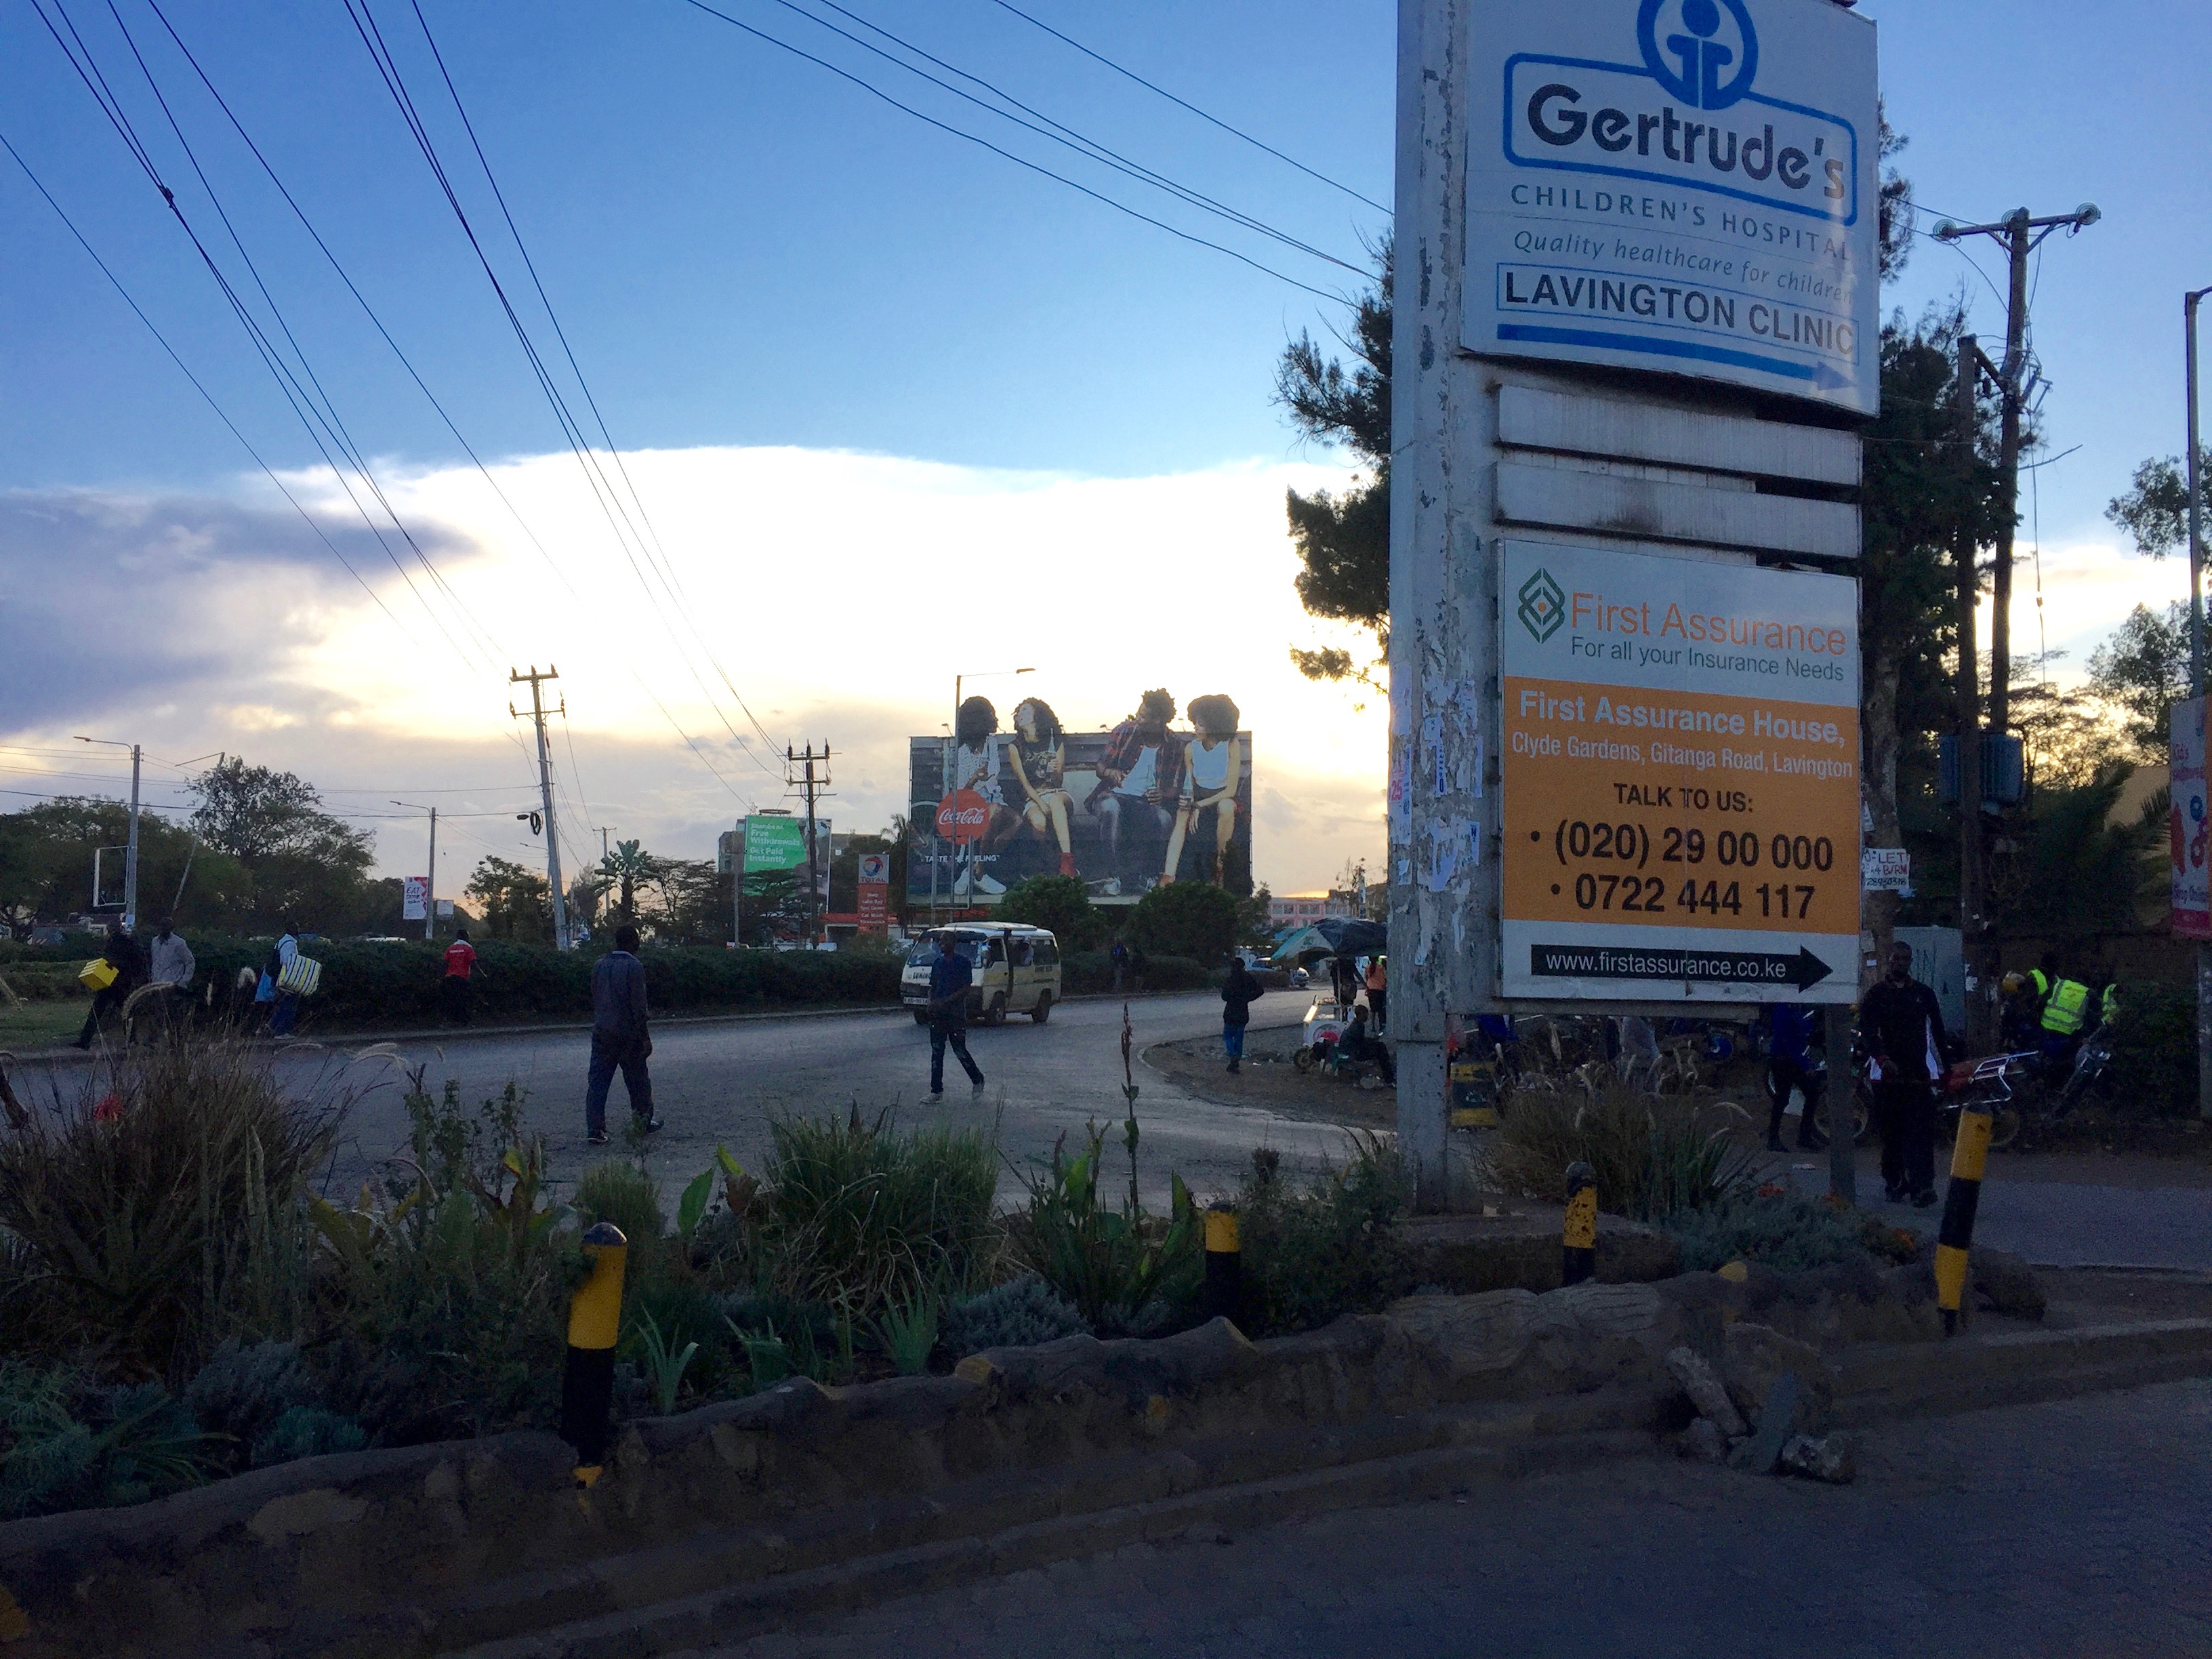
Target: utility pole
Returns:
[538, 713]
[1972, 901]
[2189, 305]
[130, 851]
[430, 881]
[808, 781]
[2020, 234]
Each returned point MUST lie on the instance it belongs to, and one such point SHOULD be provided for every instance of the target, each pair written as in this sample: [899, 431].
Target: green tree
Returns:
[2154, 512]
[515, 901]
[1343, 538]
[689, 902]
[2083, 873]
[2143, 670]
[1192, 919]
[306, 865]
[624, 868]
[46, 858]
[1061, 903]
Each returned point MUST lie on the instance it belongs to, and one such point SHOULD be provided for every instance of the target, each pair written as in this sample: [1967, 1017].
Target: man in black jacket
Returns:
[1238, 992]
[121, 953]
[1901, 1025]
[619, 1038]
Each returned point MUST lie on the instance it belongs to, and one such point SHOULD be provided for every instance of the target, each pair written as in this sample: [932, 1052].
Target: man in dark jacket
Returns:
[950, 977]
[1901, 1025]
[1790, 1066]
[619, 1038]
[1238, 993]
[121, 953]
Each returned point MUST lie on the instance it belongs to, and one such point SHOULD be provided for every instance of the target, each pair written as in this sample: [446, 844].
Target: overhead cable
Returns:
[1215, 121]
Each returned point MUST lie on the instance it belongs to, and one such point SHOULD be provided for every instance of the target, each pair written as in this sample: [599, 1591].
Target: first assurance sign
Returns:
[1680, 778]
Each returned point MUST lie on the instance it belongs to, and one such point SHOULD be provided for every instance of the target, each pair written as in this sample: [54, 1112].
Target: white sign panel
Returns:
[1886, 869]
[1679, 779]
[1687, 186]
[414, 899]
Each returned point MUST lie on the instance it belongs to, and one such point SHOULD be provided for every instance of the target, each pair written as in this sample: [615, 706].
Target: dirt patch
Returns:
[1269, 1080]
[2098, 1296]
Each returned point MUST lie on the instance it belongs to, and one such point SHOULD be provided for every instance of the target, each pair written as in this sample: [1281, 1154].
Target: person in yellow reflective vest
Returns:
[2065, 1012]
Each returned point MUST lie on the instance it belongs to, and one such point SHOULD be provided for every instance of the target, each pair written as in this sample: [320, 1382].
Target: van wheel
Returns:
[997, 1014]
[1042, 1012]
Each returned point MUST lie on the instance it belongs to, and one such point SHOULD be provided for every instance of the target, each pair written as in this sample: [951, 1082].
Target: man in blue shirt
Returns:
[619, 1038]
[1789, 1065]
[950, 977]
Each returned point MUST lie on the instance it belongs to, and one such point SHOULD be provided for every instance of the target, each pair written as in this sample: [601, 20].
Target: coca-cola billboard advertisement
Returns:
[1163, 794]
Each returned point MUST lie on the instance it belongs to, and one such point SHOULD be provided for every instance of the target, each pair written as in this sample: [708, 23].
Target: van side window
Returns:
[1024, 953]
[993, 953]
[1048, 954]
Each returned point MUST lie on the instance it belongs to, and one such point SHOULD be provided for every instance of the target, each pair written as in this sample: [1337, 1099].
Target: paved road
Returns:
[2070, 1530]
[726, 1082]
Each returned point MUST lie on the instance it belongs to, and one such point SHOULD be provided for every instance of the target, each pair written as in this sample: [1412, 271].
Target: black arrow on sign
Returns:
[1802, 971]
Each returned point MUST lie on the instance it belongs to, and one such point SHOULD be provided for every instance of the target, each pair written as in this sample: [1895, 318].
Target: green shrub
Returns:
[69, 1447]
[1786, 1231]
[1311, 1256]
[1650, 1158]
[854, 1213]
[241, 1390]
[616, 1190]
[2155, 1050]
[1192, 919]
[158, 1213]
[1060, 904]
[1022, 1312]
[306, 1431]
[1124, 1272]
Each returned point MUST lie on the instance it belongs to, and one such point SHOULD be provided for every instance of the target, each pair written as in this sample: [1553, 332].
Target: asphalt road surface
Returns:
[726, 1082]
[2076, 1529]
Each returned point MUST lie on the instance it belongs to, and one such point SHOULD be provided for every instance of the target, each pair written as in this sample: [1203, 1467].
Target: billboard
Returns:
[1684, 186]
[2187, 828]
[1149, 801]
[1680, 780]
[414, 898]
[873, 881]
[771, 847]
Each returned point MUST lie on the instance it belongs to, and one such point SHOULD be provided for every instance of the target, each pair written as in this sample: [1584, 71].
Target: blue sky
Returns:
[752, 258]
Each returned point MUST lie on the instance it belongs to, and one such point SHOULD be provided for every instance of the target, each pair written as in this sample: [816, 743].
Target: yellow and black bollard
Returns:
[1969, 1157]
[588, 1387]
[1224, 1265]
[1579, 1253]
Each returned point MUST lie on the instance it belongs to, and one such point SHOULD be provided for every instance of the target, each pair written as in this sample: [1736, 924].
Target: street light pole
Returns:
[430, 881]
[130, 851]
[2189, 305]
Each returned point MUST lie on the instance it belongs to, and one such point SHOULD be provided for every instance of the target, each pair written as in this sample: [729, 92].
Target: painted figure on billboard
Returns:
[976, 767]
[1037, 758]
[1210, 766]
[1136, 795]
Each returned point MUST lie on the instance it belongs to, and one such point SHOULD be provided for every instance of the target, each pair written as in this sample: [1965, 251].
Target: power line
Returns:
[1215, 121]
[602, 489]
[208, 397]
[1088, 148]
[876, 91]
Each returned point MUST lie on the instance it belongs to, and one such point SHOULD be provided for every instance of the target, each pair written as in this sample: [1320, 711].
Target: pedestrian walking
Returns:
[283, 1005]
[171, 966]
[453, 990]
[1120, 956]
[950, 977]
[1901, 1024]
[1378, 992]
[120, 952]
[621, 1037]
[1238, 993]
[1788, 1066]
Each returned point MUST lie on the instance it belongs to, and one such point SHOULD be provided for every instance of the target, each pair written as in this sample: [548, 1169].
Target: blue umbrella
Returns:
[1334, 936]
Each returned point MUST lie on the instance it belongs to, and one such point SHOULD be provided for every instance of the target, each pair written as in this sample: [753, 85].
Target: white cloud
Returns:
[841, 593]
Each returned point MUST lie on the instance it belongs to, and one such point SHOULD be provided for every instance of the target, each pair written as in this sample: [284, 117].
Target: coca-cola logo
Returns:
[963, 816]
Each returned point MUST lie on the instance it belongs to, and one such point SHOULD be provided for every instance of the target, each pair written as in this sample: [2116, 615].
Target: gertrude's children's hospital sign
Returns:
[1687, 186]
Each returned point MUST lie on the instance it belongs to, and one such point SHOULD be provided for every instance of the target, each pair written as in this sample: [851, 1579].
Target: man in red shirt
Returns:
[460, 962]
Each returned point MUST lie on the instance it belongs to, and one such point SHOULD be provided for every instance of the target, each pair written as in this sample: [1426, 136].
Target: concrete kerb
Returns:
[69, 1054]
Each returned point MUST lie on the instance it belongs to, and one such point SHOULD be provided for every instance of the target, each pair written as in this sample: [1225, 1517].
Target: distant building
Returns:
[1301, 909]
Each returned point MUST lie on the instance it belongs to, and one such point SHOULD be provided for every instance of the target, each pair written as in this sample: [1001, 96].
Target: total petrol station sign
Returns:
[1680, 186]
[1679, 779]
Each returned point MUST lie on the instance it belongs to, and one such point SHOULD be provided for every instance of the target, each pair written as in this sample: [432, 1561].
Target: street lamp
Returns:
[130, 854]
[430, 882]
[2189, 304]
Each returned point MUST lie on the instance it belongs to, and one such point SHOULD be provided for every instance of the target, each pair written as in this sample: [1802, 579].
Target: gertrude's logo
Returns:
[1705, 53]
[1543, 607]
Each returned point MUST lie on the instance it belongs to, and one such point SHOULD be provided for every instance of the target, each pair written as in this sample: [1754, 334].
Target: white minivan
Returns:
[1016, 970]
